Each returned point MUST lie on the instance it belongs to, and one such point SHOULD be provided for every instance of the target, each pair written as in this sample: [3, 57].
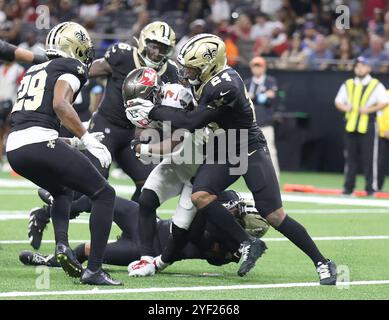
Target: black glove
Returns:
[39, 58]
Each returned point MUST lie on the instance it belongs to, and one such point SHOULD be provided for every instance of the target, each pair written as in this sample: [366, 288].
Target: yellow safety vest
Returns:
[383, 120]
[356, 122]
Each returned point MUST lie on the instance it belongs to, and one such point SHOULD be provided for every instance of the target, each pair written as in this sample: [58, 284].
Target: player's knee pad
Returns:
[148, 200]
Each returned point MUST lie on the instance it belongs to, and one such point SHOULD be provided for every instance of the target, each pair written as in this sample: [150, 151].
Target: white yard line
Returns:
[279, 239]
[97, 291]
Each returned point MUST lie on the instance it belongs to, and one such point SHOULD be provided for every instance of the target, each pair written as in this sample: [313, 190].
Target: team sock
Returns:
[296, 233]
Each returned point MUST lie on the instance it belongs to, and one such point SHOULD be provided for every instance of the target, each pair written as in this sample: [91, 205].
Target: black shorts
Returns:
[55, 166]
[118, 142]
[260, 178]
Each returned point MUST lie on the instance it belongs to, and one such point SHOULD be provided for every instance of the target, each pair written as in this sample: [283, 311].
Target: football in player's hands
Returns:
[137, 112]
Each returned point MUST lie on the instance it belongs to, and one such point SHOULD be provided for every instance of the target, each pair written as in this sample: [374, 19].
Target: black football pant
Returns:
[58, 168]
[362, 148]
[118, 142]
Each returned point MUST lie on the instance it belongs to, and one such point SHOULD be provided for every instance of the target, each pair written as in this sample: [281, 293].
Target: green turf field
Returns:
[355, 235]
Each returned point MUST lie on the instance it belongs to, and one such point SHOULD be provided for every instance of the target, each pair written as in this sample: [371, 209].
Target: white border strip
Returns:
[97, 291]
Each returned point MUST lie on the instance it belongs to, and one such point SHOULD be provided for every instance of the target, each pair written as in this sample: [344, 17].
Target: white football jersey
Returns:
[176, 95]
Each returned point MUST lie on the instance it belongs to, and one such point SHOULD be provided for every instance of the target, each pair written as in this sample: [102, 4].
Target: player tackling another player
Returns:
[222, 98]
[36, 152]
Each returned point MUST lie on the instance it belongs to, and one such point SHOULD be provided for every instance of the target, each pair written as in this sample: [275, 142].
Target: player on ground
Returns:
[206, 240]
[34, 151]
[222, 98]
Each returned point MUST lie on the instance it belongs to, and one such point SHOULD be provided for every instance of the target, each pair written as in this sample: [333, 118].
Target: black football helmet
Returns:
[144, 83]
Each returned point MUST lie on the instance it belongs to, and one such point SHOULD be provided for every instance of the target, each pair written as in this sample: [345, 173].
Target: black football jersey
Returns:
[34, 104]
[227, 92]
[123, 58]
[223, 102]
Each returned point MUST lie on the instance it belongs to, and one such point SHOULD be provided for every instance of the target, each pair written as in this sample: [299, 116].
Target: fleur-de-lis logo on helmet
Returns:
[210, 54]
[81, 36]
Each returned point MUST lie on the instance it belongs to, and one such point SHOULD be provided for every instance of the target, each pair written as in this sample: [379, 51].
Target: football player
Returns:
[9, 52]
[206, 240]
[222, 98]
[155, 46]
[44, 100]
[168, 179]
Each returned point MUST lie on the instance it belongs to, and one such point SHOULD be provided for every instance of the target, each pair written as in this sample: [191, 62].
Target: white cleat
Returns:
[142, 268]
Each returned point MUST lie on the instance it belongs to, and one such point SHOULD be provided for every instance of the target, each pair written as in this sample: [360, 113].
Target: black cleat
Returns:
[98, 278]
[327, 273]
[251, 251]
[30, 258]
[39, 218]
[68, 261]
[45, 196]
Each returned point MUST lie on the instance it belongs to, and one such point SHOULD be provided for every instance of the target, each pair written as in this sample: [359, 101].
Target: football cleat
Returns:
[45, 196]
[68, 261]
[39, 218]
[327, 273]
[142, 268]
[159, 264]
[30, 258]
[98, 278]
[251, 250]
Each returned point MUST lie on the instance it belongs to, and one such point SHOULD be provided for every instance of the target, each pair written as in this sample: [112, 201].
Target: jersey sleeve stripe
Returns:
[73, 81]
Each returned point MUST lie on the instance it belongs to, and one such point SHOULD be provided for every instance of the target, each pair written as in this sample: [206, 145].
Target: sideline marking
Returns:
[97, 291]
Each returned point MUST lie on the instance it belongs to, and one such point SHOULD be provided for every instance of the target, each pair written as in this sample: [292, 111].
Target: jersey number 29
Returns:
[30, 93]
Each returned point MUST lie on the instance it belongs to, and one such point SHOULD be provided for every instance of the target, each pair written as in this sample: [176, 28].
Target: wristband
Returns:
[144, 150]
[39, 58]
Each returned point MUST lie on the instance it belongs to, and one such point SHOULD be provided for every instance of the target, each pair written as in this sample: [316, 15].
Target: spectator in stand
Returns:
[310, 36]
[232, 51]
[358, 33]
[376, 25]
[196, 27]
[345, 53]
[386, 38]
[242, 27]
[31, 43]
[376, 55]
[89, 10]
[262, 28]
[270, 7]
[220, 10]
[11, 25]
[319, 56]
[24, 10]
[65, 11]
[295, 57]
[142, 20]
[279, 40]
[335, 37]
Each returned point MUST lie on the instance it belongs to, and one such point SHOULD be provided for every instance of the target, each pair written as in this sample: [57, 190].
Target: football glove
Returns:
[77, 143]
[137, 112]
[97, 149]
